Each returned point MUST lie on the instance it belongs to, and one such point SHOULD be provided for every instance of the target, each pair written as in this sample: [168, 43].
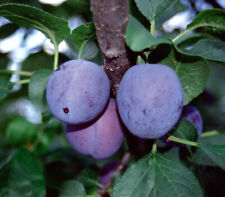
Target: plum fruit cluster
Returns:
[78, 95]
[150, 100]
[192, 114]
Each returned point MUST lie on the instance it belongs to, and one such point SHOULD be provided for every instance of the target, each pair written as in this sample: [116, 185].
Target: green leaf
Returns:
[159, 10]
[185, 130]
[46, 136]
[218, 139]
[80, 6]
[138, 38]
[83, 34]
[20, 131]
[5, 87]
[210, 18]
[214, 18]
[21, 176]
[192, 71]
[88, 178]
[7, 29]
[209, 49]
[173, 154]
[72, 188]
[211, 151]
[36, 61]
[37, 86]
[157, 176]
[24, 15]
[190, 39]
[210, 154]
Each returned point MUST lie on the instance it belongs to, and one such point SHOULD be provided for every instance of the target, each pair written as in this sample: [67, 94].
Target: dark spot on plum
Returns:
[144, 112]
[89, 99]
[58, 69]
[91, 105]
[62, 67]
[66, 110]
[129, 115]
[195, 118]
[156, 102]
[153, 121]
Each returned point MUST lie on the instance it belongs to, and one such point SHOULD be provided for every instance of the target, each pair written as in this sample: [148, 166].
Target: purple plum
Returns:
[102, 138]
[77, 92]
[192, 114]
[150, 100]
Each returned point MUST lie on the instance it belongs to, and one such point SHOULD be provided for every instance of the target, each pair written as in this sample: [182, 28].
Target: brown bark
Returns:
[111, 17]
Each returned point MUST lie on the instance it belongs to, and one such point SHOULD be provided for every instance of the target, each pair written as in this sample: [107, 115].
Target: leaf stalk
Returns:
[182, 141]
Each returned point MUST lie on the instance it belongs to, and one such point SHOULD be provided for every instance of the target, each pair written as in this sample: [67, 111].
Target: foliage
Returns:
[35, 157]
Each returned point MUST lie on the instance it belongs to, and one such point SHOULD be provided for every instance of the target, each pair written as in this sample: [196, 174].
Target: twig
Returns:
[123, 163]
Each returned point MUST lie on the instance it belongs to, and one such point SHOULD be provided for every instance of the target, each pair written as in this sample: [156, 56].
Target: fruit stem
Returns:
[180, 35]
[210, 133]
[22, 73]
[154, 147]
[152, 28]
[182, 141]
[21, 82]
[56, 56]
[80, 53]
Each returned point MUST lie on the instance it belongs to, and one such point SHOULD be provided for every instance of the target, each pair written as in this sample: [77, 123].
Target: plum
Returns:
[192, 114]
[150, 100]
[100, 139]
[77, 92]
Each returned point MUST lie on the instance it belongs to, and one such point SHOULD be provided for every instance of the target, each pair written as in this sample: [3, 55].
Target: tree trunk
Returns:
[111, 17]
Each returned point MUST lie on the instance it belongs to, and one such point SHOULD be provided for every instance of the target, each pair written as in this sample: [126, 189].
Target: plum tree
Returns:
[192, 114]
[150, 100]
[102, 138]
[77, 92]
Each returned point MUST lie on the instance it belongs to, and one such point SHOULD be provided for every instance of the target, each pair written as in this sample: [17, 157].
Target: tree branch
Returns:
[120, 168]
[111, 18]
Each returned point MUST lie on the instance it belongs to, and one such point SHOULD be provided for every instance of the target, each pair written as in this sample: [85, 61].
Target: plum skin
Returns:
[77, 92]
[192, 114]
[102, 138]
[150, 100]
